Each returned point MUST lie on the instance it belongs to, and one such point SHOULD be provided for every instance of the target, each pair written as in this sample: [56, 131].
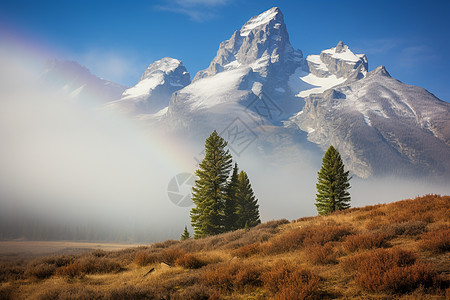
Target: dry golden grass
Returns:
[389, 251]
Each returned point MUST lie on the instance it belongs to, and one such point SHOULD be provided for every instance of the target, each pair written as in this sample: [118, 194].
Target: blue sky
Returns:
[118, 39]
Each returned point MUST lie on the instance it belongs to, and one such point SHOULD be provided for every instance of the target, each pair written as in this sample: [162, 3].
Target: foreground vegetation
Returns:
[399, 250]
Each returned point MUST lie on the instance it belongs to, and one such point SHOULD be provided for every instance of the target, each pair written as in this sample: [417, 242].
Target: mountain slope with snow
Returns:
[154, 89]
[381, 126]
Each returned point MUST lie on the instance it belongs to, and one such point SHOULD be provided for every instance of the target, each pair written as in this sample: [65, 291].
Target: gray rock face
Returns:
[263, 44]
[80, 83]
[154, 89]
[381, 126]
[339, 61]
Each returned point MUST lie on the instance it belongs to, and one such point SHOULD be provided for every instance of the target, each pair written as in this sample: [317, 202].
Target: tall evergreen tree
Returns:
[230, 216]
[248, 208]
[209, 192]
[185, 234]
[333, 184]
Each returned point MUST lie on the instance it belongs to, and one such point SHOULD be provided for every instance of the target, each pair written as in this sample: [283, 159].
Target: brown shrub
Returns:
[144, 258]
[233, 275]
[72, 270]
[274, 224]
[247, 250]
[233, 239]
[134, 292]
[194, 292]
[306, 236]
[11, 271]
[321, 255]
[375, 224]
[90, 265]
[165, 244]
[391, 270]
[405, 279]
[99, 253]
[6, 292]
[370, 215]
[285, 242]
[125, 256]
[189, 261]
[304, 219]
[287, 281]
[436, 241]
[77, 292]
[428, 209]
[170, 255]
[365, 241]
[330, 233]
[411, 228]
[40, 270]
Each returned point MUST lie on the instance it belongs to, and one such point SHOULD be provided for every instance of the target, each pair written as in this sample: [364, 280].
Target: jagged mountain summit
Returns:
[259, 82]
[154, 89]
[332, 67]
[262, 44]
[79, 83]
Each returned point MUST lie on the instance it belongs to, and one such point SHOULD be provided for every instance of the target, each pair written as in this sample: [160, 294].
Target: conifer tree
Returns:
[230, 216]
[186, 235]
[248, 208]
[333, 184]
[209, 191]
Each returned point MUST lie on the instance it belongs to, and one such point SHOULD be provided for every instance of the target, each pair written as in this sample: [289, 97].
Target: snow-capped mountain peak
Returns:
[332, 67]
[272, 15]
[339, 61]
[263, 41]
[153, 91]
[165, 65]
[342, 52]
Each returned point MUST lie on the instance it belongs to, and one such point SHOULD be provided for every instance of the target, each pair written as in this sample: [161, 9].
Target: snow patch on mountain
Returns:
[259, 20]
[211, 91]
[144, 87]
[304, 84]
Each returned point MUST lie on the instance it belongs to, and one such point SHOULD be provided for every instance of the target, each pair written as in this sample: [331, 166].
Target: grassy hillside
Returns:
[399, 250]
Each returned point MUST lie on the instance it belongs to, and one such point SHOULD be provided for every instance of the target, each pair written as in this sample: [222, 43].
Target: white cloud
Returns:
[377, 46]
[414, 55]
[202, 2]
[196, 10]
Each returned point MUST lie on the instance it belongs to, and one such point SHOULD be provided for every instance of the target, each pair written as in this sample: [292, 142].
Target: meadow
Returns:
[399, 250]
